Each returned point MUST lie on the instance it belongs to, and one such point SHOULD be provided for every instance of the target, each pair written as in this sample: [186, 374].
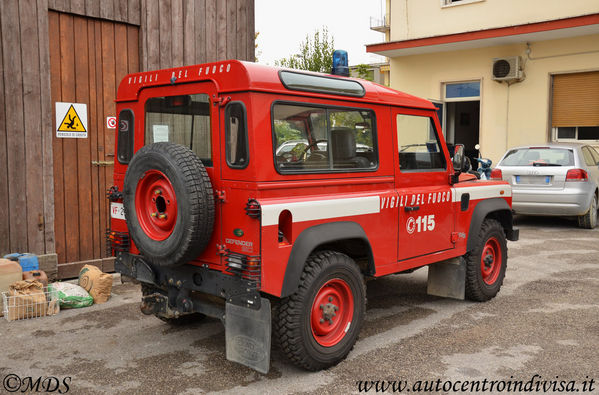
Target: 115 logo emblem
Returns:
[422, 223]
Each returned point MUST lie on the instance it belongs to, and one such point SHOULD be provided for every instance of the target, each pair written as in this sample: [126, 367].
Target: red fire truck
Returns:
[264, 197]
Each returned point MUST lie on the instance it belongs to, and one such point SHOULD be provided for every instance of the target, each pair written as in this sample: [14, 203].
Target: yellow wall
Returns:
[425, 18]
[527, 121]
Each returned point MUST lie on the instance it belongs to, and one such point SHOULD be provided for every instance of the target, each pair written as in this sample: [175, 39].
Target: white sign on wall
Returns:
[71, 120]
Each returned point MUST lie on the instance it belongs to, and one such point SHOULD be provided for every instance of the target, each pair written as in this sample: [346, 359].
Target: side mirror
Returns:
[459, 159]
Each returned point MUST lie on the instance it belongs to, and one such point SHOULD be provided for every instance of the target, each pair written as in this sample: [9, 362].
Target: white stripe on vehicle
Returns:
[313, 210]
[483, 192]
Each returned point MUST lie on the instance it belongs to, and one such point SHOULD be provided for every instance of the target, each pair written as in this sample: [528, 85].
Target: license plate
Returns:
[533, 180]
[117, 210]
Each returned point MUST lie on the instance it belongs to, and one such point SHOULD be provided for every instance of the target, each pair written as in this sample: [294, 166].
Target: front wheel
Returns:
[486, 263]
[318, 325]
[589, 219]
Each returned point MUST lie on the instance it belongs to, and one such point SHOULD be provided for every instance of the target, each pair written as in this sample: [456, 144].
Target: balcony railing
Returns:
[379, 25]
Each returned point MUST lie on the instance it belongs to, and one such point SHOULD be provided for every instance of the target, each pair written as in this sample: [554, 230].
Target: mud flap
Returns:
[447, 279]
[247, 334]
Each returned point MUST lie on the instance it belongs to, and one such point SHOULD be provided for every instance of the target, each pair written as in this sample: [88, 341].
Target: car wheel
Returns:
[169, 203]
[589, 219]
[486, 263]
[318, 325]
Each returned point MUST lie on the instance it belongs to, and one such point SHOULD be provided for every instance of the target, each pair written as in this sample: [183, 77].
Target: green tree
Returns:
[364, 72]
[315, 54]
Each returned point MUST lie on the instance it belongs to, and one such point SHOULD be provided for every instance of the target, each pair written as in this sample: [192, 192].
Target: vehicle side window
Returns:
[418, 144]
[236, 135]
[322, 139]
[125, 136]
[588, 157]
[183, 119]
[595, 155]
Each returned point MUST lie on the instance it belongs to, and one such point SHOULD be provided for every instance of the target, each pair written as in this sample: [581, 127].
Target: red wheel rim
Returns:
[332, 312]
[156, 205]
[490, 261]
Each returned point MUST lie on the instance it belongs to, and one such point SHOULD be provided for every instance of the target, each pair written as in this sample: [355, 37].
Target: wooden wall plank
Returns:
[108, 93]
[121, 61]
[62, 5]
[107, 9]
[177, 33]
[166, 43]
[103, 207]
[152, 44]
[15, 141]
[96, 192]
[46, 127]
[221, 30]
[83, 174]
[251, 32]
[92, 8]
[120, 10]
[231, 52]
[134, 12]
[210, 38]
[189, 31]
[78, 7]
[4, 210]
[69, 145]
[133, 49]
[58, 171]
[32, 125]
[241, 32]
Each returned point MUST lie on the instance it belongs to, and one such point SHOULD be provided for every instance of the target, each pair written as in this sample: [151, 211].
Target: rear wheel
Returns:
[589, 219]
[486, 263]
[318, 325]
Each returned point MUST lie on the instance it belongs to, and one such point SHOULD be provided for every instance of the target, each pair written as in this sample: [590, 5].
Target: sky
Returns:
[284, 24]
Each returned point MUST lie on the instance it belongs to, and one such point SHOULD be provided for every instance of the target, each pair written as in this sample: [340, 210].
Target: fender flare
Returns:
[313, 237]
[482, 210]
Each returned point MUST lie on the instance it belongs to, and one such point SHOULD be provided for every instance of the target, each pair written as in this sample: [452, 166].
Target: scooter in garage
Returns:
[484, 165]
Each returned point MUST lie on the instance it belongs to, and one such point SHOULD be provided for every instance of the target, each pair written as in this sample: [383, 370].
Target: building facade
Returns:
[53, 188]
[502, 72]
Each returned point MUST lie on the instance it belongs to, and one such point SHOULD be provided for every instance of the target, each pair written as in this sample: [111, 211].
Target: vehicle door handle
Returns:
[411, 208]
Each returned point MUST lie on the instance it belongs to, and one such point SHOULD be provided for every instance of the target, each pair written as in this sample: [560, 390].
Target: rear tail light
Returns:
[577, 175]
[496, 174]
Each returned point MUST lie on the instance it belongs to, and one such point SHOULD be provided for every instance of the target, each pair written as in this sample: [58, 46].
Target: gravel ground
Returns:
[544, 322]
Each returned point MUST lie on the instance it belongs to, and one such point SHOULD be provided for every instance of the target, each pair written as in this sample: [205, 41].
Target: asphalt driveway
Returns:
[542, 329]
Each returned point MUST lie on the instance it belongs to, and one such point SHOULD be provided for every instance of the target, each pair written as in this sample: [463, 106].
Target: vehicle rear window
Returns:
[539, 157]
[182, 119]
[320, 139]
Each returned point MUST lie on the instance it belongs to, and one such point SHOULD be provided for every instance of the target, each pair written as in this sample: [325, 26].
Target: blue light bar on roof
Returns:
[340, 64]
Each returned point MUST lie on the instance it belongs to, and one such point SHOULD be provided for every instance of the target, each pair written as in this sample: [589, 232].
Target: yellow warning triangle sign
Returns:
[71, 122]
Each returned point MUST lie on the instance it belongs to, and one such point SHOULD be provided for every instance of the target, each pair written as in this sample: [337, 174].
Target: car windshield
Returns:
[539, 156]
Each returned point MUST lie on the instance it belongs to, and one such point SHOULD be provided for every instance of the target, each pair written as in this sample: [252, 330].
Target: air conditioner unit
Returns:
[507, 69]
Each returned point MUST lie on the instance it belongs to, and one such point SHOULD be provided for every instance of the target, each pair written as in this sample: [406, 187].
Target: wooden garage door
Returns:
[88, 59]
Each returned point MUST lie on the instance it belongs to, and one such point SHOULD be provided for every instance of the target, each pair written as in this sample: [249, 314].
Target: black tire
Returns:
[186, 319]
[485, 274]
[188, 184]
[589, 219]
[293, 331]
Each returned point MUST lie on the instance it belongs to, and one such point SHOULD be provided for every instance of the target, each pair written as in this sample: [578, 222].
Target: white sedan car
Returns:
[558, 179]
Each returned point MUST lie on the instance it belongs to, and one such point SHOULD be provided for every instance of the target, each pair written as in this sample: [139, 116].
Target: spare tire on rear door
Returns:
[169, 203]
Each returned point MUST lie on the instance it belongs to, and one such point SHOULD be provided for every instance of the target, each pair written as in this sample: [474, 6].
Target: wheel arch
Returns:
[495, 208]
[345, 236]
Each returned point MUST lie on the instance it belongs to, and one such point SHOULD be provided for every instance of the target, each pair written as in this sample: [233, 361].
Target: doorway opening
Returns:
[462, 116]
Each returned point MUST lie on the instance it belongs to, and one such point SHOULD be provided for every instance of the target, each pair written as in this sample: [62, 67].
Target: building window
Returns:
[462, 91]
[575, 106]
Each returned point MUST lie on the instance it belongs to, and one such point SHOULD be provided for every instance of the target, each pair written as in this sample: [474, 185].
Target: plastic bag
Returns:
[71, 296]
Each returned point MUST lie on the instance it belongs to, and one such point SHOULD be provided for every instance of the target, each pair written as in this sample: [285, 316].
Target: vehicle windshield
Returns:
[538, 156]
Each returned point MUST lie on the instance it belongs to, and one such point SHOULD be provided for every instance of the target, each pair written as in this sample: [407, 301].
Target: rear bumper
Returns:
[184, 286]
[565, 202]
